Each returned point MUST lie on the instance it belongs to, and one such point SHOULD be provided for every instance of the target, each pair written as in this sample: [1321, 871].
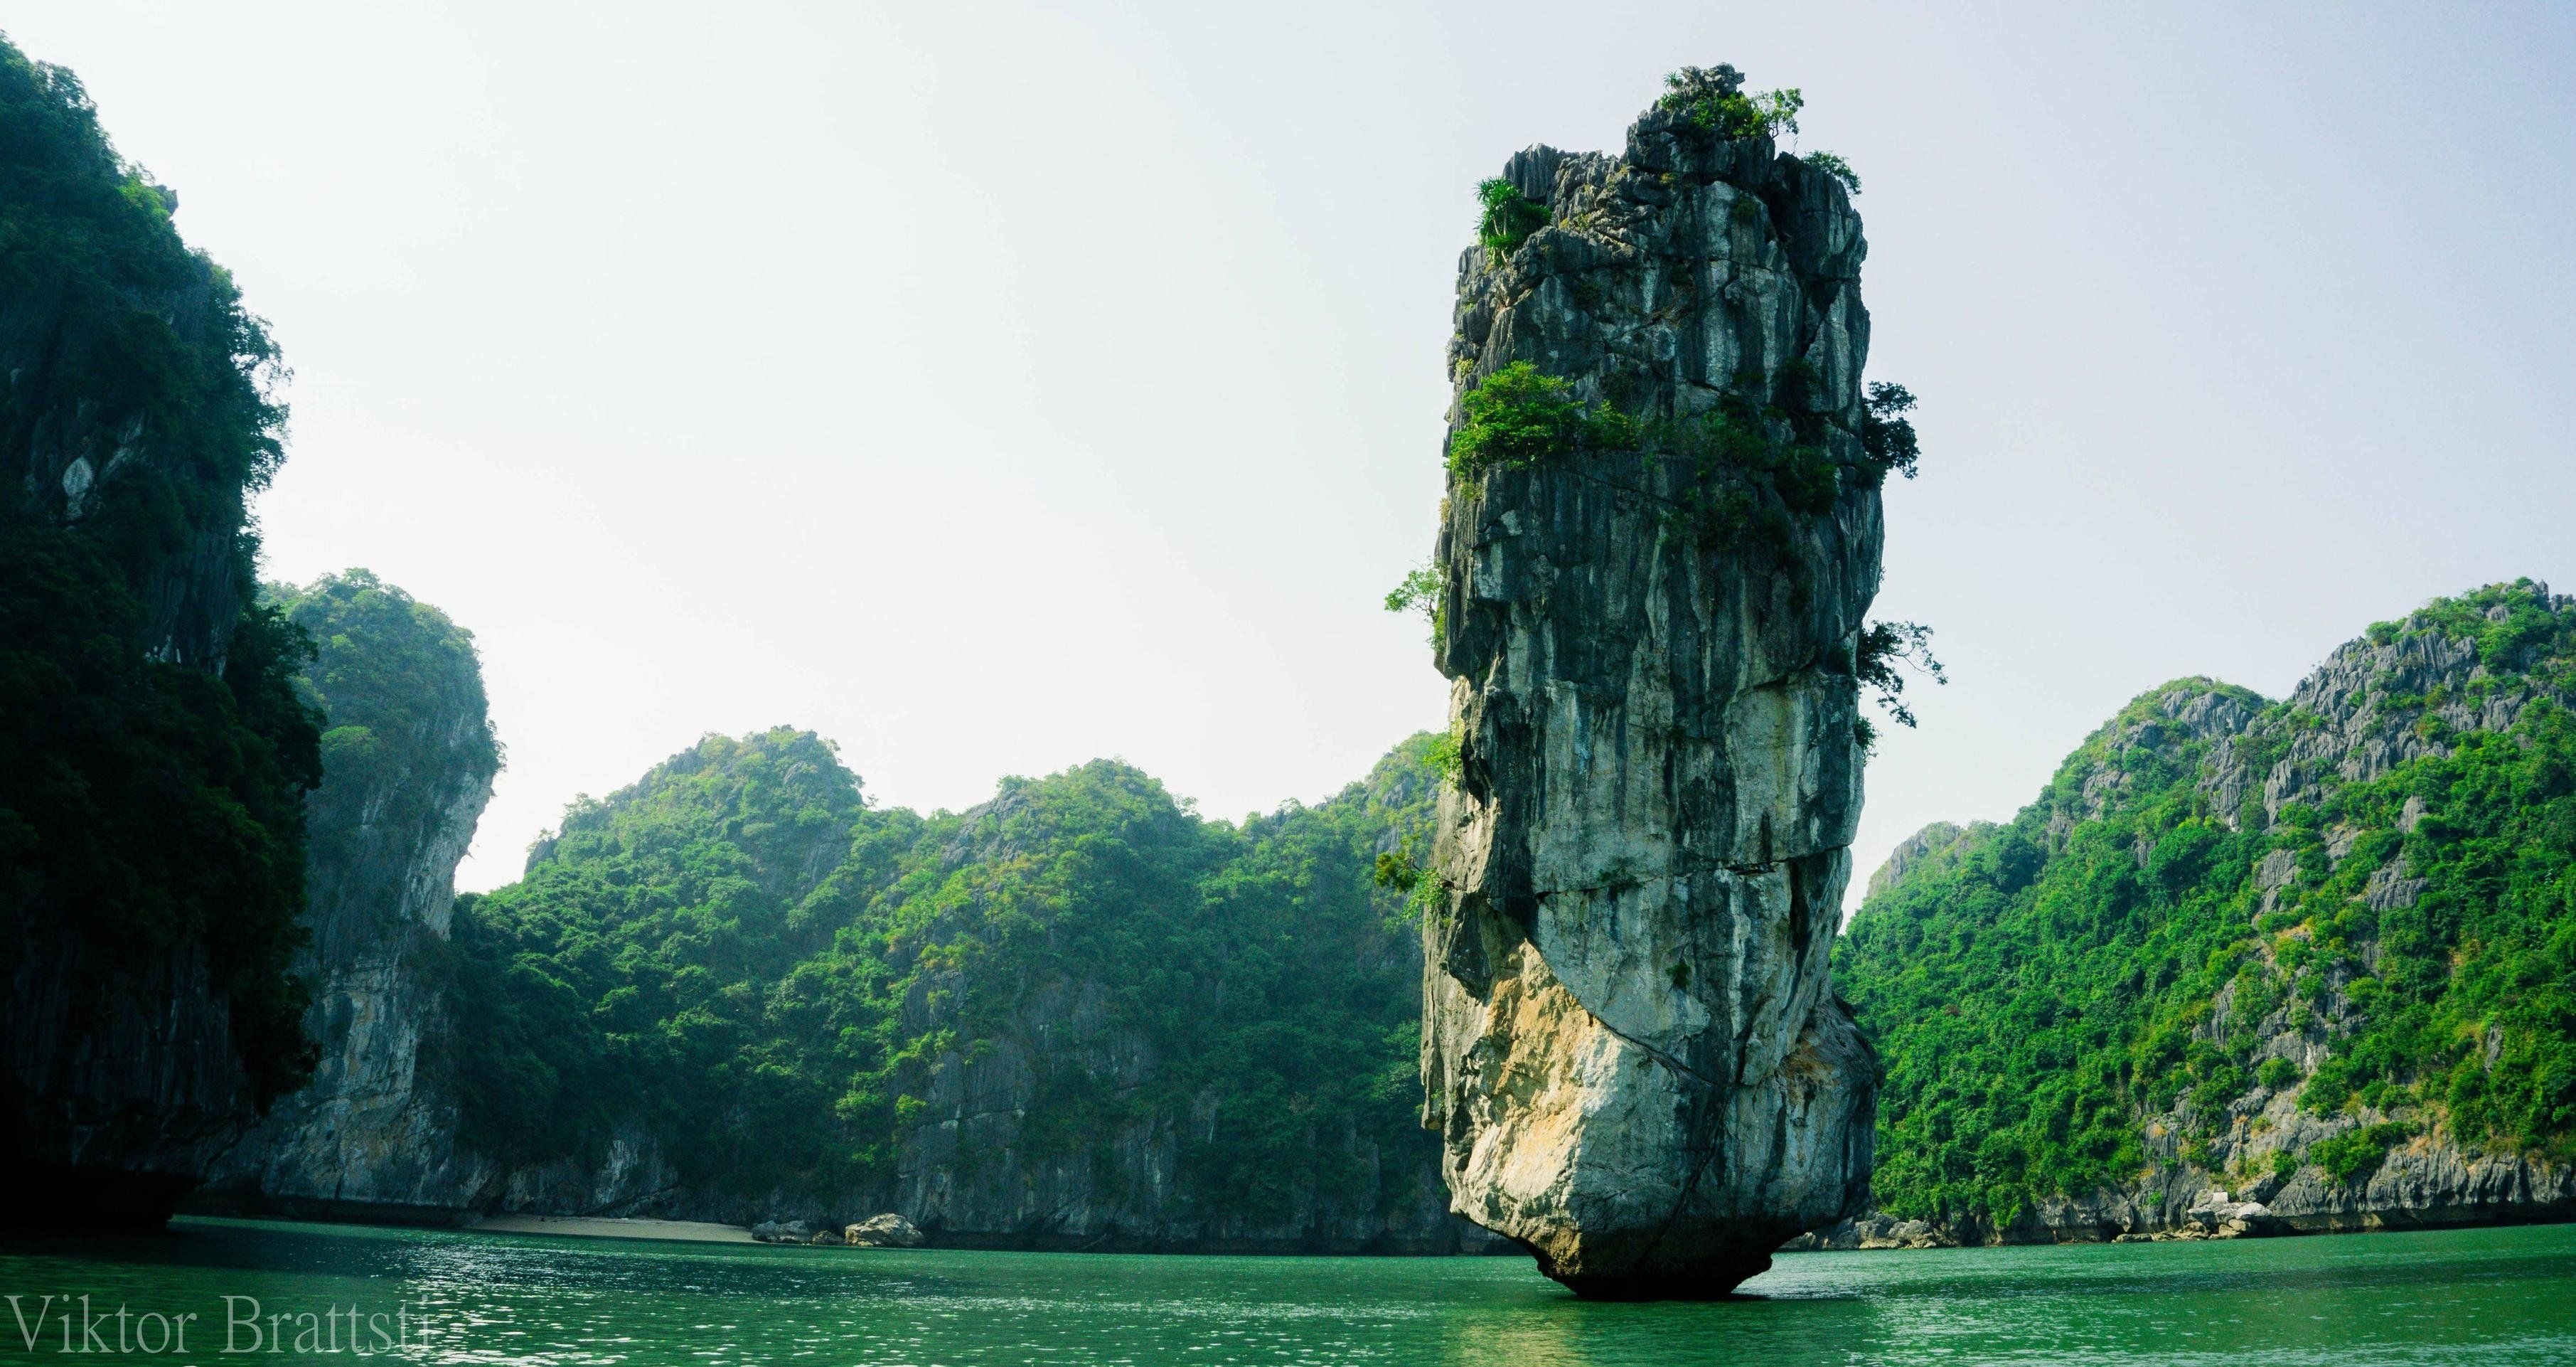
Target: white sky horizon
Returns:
[992, 388]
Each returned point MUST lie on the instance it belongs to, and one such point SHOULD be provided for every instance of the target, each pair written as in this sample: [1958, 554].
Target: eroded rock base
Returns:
[1713, 1280]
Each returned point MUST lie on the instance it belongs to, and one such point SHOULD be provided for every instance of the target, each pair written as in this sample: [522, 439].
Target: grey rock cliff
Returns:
[120, 1101]
[1630, 1047]
[373, 1133]
[972, 1173]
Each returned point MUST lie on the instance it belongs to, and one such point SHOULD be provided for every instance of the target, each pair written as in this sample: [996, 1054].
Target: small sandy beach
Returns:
[589, 1227]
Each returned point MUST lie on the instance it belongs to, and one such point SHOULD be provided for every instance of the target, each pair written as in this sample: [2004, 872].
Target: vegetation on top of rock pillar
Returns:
[1509, 216]
[1714, 100]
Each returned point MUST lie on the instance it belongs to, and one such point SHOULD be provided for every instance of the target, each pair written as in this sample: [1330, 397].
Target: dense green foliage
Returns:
[155, 756]
[1713, 99]
[1520, 415]
[2041, 989]
[2012, 988]
[744, 956]
[115, 335]
[2472, 1012]
[153, 808]
[402, 690]
[1508, 217]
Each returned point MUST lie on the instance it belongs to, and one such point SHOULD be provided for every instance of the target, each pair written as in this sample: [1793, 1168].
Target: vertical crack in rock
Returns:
[1630, 1046]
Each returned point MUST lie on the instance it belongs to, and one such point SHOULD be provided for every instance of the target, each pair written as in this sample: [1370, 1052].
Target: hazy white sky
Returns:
[991, 388]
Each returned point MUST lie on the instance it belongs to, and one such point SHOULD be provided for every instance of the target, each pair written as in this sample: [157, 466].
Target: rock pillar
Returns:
[1630, 1046]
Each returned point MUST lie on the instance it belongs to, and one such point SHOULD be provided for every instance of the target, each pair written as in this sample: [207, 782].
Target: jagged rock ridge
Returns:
[2310, 902]
[1630, 1046]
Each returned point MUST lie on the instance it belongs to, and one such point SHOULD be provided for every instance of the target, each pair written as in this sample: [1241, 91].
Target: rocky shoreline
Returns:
[2422, 1185]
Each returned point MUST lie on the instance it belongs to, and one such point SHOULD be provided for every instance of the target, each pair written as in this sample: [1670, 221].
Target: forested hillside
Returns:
[1079, 1009]
[155, 757]
[2318, 955]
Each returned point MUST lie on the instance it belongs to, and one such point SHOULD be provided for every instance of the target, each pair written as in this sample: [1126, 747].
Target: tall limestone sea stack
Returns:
[1661, 536]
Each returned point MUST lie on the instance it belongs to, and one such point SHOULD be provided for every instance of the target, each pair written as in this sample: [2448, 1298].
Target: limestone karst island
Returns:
[1786, 855]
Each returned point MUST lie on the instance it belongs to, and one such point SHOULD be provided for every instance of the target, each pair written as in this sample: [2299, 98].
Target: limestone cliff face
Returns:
[140, 1009]
[408, 767]
[977, 1171]
[118, 1103]
[1630, 1047]
[968, 1175]
[2351, 721]
[1051, 1123]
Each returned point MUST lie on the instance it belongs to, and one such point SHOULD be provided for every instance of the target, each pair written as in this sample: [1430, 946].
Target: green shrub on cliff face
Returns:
[745, 958]
[2040, 988]
[1886, 434]
[1876, 657]
[1521, 415]
[152, 768]
[1751, 459]
[1421, 590]
[2352, 1156]
[1509, 216]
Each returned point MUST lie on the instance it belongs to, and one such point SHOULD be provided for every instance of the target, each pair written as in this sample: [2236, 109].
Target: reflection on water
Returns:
[2485, 1296]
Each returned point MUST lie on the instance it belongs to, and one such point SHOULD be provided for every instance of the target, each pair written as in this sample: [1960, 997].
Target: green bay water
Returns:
[2467, 1296]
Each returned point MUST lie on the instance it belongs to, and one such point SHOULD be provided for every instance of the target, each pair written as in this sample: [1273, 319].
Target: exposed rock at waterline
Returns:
[883, 1231]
